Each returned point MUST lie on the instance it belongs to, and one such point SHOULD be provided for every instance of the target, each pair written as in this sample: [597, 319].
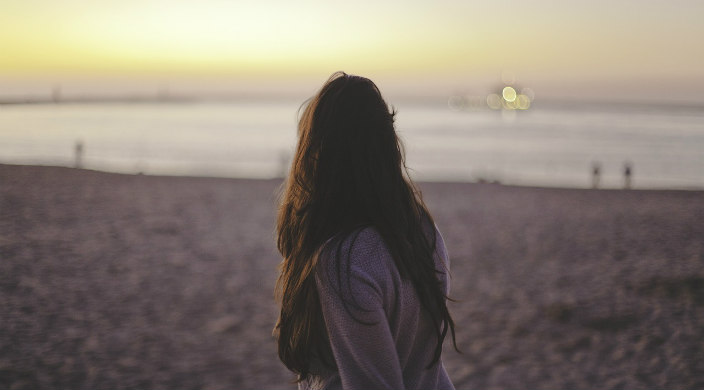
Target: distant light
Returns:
[509, 94]
[494, 101]
[529, 93]
[522, 102]
[509, 105]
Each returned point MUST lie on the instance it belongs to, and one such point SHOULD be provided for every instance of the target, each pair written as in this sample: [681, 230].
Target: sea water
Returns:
[547, 145]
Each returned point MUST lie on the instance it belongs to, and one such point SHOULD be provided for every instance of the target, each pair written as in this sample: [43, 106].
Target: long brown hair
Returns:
[348, 173]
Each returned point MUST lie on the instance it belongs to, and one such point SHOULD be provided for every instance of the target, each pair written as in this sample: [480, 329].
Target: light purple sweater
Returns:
[394, 352]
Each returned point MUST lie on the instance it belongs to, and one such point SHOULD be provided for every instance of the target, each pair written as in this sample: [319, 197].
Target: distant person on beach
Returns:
[596, 174]
[364, 277]
[627, 173]
[78, 152]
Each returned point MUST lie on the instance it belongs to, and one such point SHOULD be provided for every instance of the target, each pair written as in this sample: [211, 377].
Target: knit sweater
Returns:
[382, 339]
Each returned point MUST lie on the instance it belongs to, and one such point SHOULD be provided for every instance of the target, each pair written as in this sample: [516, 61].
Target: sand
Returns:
[117, 281]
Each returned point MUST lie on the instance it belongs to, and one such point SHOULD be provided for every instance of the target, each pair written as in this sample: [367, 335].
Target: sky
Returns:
[612, 50]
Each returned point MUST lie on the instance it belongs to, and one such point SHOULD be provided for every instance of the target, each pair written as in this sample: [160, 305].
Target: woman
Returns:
[364, 279]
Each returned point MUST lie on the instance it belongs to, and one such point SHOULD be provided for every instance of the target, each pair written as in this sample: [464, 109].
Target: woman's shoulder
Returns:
[354, 247]
[367, 242]
[361, 253]
[356, 236]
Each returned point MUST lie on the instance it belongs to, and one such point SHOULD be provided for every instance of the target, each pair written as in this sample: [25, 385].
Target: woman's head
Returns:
[348, 151]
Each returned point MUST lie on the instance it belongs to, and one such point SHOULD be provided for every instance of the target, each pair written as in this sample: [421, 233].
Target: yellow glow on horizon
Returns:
[222, 37]
[449, 38]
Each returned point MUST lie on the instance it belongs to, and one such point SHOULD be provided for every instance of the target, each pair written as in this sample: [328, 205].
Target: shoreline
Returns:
[419, 182]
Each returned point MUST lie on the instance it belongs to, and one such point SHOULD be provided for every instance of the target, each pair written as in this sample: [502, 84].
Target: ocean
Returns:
[554, 145]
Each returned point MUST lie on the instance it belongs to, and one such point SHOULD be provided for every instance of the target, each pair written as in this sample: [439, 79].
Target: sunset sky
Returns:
[616, 50]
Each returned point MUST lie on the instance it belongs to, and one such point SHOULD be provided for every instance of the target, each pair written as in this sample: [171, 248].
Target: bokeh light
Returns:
[494, 101]
[522, 102]
[528, 92]
[509, 94]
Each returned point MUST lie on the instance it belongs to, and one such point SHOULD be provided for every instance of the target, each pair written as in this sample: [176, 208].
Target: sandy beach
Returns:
[112, 281]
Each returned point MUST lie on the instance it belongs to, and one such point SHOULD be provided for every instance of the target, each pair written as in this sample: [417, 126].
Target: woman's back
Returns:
[379, 334]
